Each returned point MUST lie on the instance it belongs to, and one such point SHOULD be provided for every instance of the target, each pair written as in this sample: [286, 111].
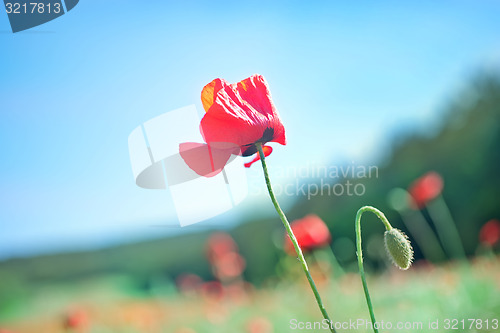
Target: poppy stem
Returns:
[446, 228]
[359, 253]
[300, 256]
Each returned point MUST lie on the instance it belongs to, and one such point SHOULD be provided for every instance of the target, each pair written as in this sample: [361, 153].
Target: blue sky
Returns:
[343, 77]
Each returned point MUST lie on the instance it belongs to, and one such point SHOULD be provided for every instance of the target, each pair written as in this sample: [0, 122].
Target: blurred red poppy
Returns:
[311, 232]
[229, 266]
[212, 290]
[77, 320]
[490, 233]
[426, 188]
[222, 252]
[188, 284]
[218, 245]
[259, 325]
[237, 117]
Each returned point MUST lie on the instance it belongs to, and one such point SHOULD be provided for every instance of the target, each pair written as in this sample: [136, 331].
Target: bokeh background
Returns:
[405, 88]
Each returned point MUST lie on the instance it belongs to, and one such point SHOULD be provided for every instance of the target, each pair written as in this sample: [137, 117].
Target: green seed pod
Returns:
[398, 248]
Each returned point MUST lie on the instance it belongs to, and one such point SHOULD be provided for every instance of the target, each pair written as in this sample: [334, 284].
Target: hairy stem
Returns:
[359, 253]
[300, 256]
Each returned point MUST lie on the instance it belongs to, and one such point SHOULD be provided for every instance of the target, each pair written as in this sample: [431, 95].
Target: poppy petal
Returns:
[241, 113]
[267, 151]
[206, 160]
[210, 91]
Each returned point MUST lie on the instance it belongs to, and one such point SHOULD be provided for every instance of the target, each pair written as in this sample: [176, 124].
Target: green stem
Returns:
[359, 253]
[293, 239]
[446, 228]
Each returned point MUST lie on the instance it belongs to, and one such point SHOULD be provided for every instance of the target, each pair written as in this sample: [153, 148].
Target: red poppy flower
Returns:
[259, 325]
[267, 151]
[222, 252]
[490, 233]
[212, 290]
[237, 117]
[219, 244]
[426, 188]
[311, 232]
[229, 266]
[76, 319]
[188, 283]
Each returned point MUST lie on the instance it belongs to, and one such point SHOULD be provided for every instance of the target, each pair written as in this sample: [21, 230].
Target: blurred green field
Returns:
[132, 287]
[421, 295]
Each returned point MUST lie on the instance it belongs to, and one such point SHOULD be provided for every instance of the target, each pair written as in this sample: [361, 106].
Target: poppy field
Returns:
[418, 298]
[435, 267]
[250, 167]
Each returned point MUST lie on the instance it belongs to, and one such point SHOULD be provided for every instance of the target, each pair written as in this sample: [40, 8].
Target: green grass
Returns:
[422, 294]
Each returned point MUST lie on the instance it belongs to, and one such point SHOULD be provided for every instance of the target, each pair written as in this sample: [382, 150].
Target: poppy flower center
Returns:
[266, 137]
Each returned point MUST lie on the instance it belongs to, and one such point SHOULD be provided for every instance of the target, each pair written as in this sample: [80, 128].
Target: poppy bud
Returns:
[398, 248]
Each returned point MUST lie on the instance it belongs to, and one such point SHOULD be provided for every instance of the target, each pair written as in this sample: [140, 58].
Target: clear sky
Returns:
[343, 77]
